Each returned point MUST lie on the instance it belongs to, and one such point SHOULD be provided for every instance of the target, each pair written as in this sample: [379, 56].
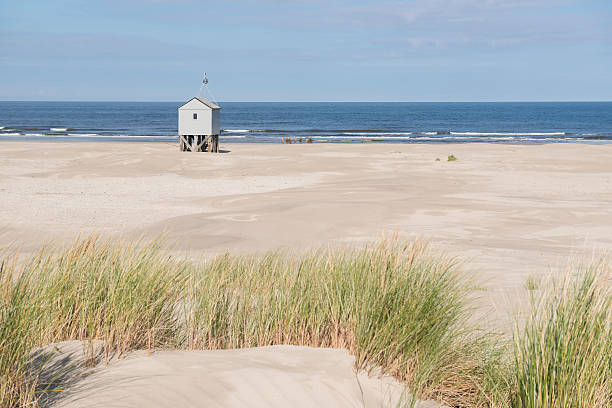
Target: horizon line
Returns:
[252, 101]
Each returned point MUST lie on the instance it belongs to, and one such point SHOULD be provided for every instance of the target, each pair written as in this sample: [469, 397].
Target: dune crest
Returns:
[273, 376]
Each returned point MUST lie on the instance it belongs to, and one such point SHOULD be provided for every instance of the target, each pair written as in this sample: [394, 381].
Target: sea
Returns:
[325, 122]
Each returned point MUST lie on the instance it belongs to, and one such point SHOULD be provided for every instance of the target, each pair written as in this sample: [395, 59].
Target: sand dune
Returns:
[511, 211]
[276, 376]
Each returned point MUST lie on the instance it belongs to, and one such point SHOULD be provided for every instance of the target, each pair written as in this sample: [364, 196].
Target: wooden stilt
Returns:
[199, 143]
[182, 143]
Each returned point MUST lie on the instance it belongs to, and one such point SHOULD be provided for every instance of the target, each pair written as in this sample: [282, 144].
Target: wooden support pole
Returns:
[201, 142]
[183, 143]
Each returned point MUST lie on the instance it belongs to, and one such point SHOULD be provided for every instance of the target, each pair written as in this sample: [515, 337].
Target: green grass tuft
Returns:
[93, 290]
[532, 283]
[563, 355]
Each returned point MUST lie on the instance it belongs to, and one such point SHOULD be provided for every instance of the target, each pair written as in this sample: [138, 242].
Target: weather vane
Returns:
[205, 81]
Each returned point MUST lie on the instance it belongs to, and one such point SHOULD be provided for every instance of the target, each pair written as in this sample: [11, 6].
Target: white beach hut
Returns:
[199, 123]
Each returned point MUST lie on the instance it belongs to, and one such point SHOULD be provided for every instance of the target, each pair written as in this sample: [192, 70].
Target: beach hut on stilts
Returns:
[199, 123]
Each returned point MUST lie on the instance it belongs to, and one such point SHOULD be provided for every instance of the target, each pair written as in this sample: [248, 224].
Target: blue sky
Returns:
[294, 50]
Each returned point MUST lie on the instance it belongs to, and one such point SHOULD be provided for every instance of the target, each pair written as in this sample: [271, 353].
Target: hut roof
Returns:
[205, 101]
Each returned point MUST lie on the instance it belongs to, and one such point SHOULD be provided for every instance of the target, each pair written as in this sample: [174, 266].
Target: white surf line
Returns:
[378, 133]
[508, 133]
[96, 135]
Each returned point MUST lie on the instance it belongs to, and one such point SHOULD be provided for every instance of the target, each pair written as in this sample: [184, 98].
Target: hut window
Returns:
[195, 115]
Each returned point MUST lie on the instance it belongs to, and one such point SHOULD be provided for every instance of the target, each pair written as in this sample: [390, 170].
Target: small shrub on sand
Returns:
[299, 140]
[451, 158]
[564, 353]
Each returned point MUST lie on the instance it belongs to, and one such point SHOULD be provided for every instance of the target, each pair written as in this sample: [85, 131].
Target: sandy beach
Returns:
[509, 211]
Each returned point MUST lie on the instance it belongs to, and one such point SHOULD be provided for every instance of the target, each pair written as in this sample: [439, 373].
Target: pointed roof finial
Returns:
[205, 81]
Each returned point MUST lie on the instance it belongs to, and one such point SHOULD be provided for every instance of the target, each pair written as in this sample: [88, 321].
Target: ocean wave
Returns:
[232, 137]
[373, 137]
[590, 136]
[286, 130]
[58, 129]
[98, 136]
[144, 136]
[449, 138]
[10, 134]
[2, 127]
[508, 133]
[234, 130]
[256, 131]
[377, 133]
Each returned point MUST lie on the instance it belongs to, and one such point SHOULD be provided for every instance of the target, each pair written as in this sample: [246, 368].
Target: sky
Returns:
[306, 50]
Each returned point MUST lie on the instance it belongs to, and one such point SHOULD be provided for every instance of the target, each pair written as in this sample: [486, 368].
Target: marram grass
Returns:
[396, 306]
[563, 354]
[120, 294]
